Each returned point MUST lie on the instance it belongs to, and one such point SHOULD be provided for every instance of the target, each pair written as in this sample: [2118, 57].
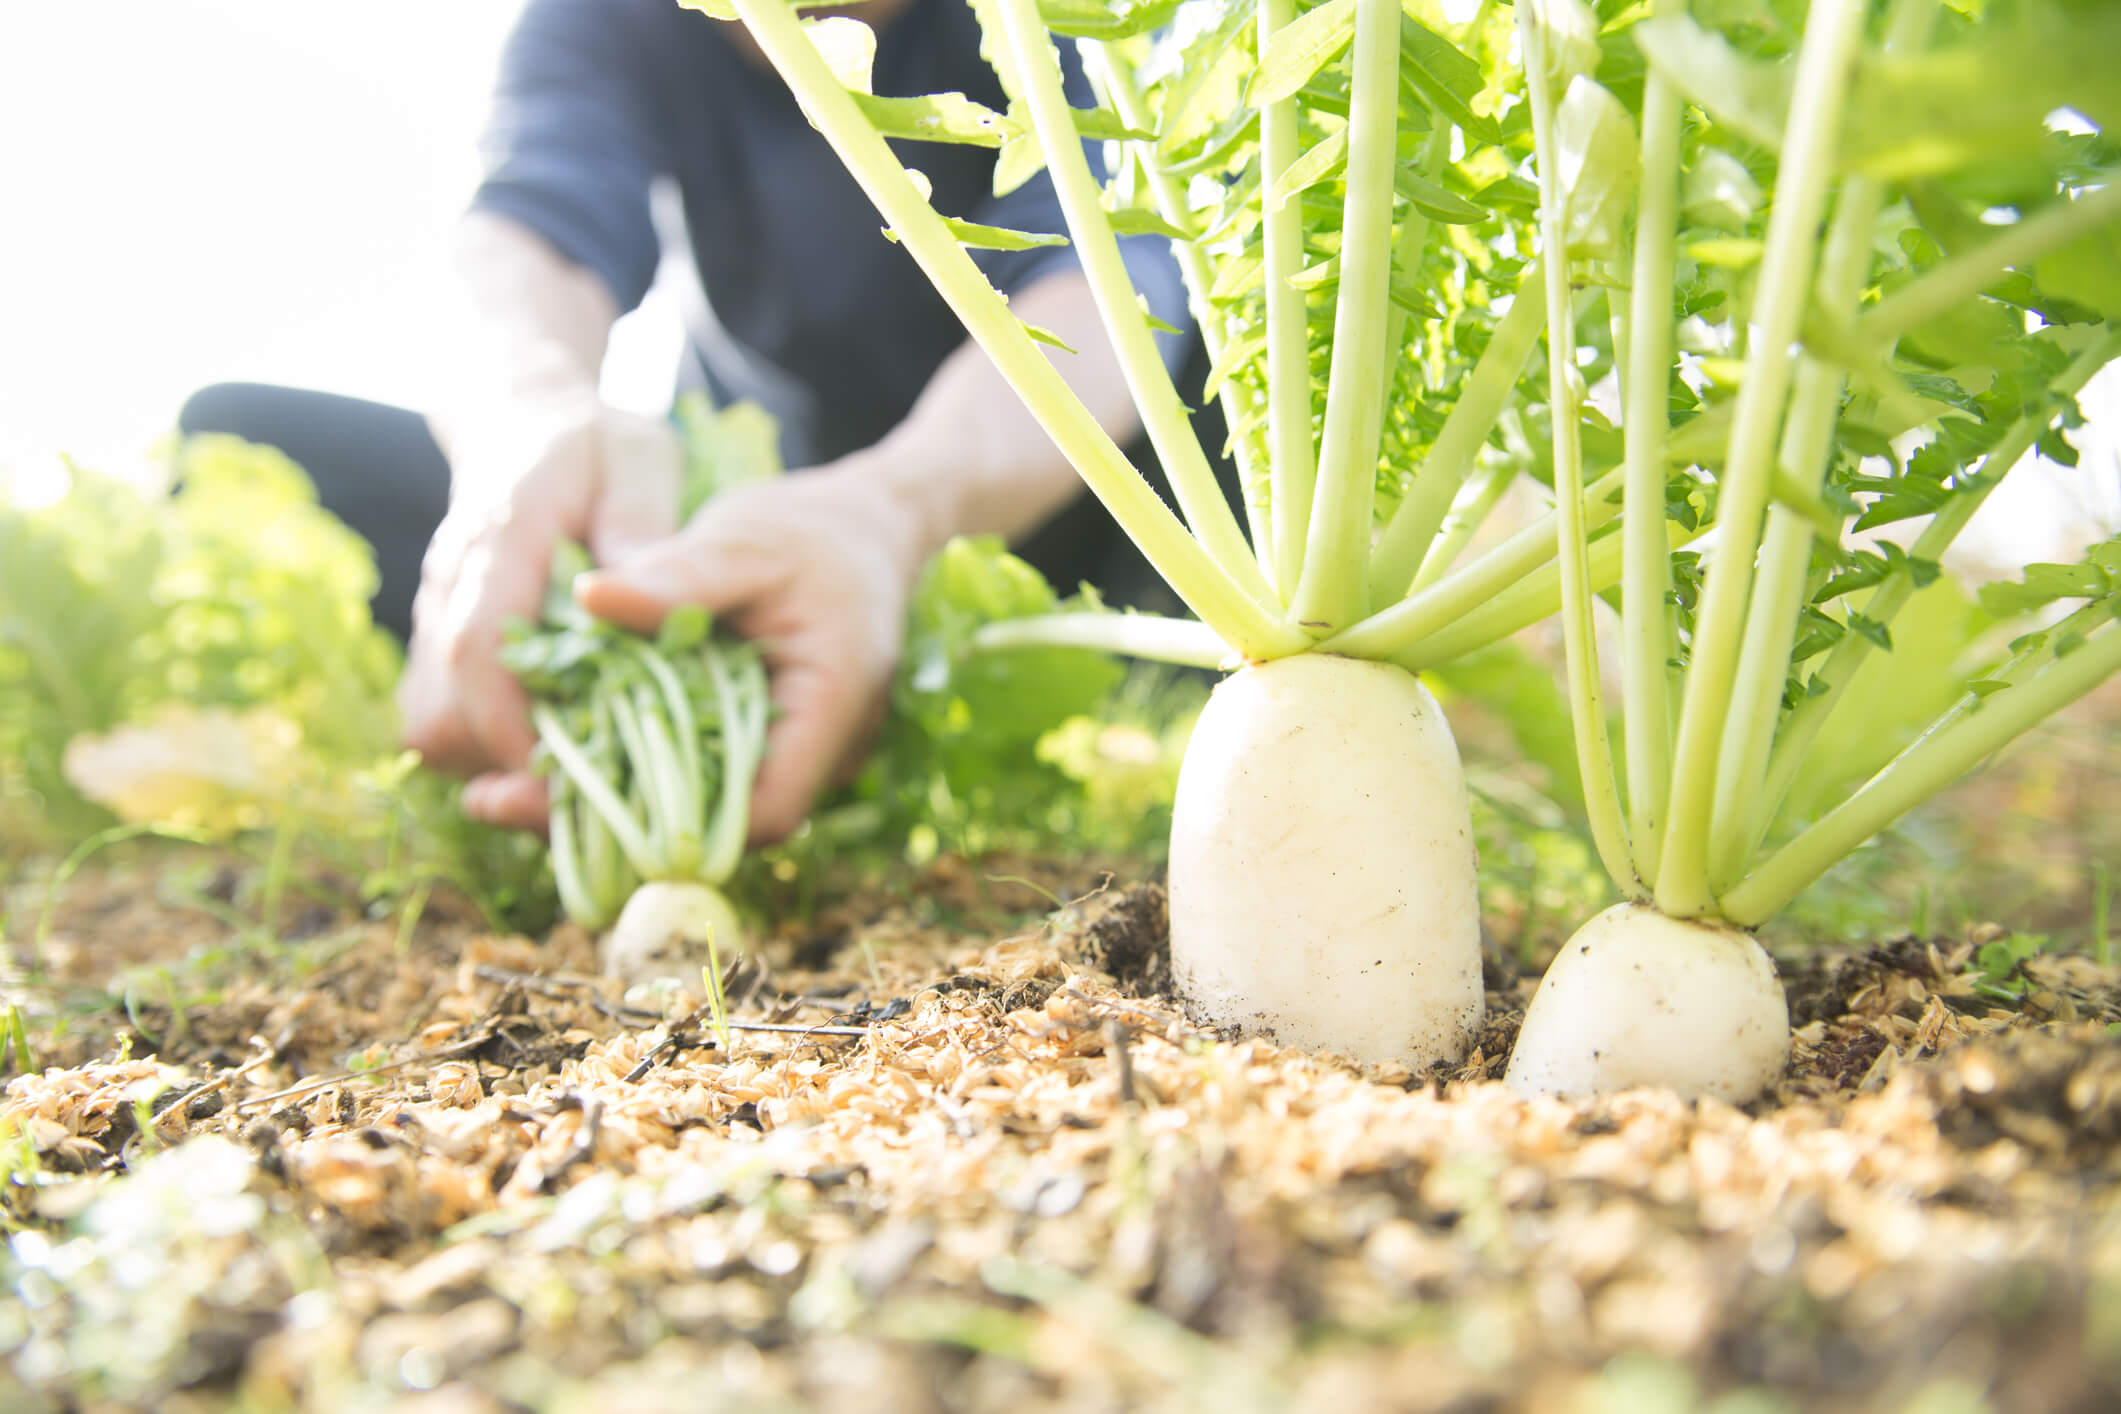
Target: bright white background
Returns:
[197, 190]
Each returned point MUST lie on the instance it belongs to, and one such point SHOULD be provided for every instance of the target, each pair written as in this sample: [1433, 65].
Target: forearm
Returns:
[533, 325]
[970, 458]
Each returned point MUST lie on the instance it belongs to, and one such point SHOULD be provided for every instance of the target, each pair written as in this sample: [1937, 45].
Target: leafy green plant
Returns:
[1341, 185]
[201, 663]
[1915, 316]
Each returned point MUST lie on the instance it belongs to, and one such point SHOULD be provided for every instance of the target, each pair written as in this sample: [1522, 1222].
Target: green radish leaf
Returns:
[1749, 96]
[1720, 192]
[1140, 221]
[723, 448]
[1599, 168]
[848, 48]
[1104, 125]
[1323, 159]
[1019, 161]
[978, 237]
[1239, 276]
[1043, 335]
[1298, 50]
[2087, 271]
[1444, 77]
[1571, 40]
[938, 117]
[1092, 19]
[2044, 584]
[1237, 353]
[1437, 202]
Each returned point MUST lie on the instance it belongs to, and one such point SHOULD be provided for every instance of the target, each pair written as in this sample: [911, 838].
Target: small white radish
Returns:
[1639, 998]
[663, 930]
[1322, 864]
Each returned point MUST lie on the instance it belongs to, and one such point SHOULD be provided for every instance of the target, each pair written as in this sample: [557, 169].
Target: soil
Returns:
[959, 1150]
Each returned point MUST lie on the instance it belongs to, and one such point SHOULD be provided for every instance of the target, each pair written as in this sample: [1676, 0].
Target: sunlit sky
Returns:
[199, 190]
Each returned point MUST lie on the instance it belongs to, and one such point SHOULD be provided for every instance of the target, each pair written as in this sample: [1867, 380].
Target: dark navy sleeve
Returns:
[571, 146]
[1035, 206]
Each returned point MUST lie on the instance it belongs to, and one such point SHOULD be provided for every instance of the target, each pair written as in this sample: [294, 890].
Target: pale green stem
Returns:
[1646, 579]
[1594, 745]
[1934, 762]
[1403, 549]
[567, 878]
[724, 844]
[1885, 602]
[1206, 587]
[647, 782]
[1170, 197]
[1468, 514]
[684, 722]
[1407, 248]
[1181, 641]
[1533, 600]
[1831, 36]
[1291, 456]
[1333, 589]
[1952, 282]
[1742, 814]
[1163, 413]
[680, 791]
[568, 755]
[1429, 611]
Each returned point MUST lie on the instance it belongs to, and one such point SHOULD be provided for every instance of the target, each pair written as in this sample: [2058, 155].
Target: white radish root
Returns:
[663, 930]
[1637, 998]
[1322, 865]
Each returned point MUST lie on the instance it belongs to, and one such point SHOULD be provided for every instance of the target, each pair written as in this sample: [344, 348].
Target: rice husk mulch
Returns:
[982, 1166]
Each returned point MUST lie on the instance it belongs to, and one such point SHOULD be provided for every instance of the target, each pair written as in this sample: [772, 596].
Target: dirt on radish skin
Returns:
[664, 933]
[1636, 998]
[1322, 865]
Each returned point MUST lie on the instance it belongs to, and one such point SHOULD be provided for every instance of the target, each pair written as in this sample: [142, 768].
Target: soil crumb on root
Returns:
[965, 1153]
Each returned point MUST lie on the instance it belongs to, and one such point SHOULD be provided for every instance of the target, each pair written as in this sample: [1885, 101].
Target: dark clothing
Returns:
[813, 311]
[378, 469]
[807, 309]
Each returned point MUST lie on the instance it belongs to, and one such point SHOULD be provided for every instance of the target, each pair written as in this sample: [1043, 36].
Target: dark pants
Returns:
[378, 469]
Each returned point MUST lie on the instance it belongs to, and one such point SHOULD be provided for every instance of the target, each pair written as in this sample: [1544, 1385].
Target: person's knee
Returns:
[218, 407]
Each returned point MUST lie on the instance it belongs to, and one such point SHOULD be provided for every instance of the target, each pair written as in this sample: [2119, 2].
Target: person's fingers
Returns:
[817, 716]
[637, 503]
[514, 799]
[502, 577]
[693, 567]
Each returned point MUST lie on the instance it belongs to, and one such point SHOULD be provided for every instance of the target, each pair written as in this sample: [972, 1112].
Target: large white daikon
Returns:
[1730, 675]
[1336, 183]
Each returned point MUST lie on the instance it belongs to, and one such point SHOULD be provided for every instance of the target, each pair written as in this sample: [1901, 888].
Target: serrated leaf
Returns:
[1751, 97]
[2043, 585]
[1437, 202]
[1041, 334]
[1141, 221]
[937, 117]
[1599, 168]
[979, 237]
[1445, 78]
[1321, 160]
[1299, 49]
[1238, 275]
[848, 48]
[1095, 19]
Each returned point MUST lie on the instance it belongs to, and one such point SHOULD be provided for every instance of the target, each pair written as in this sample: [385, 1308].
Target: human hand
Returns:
[817, 569]
[525, 474]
